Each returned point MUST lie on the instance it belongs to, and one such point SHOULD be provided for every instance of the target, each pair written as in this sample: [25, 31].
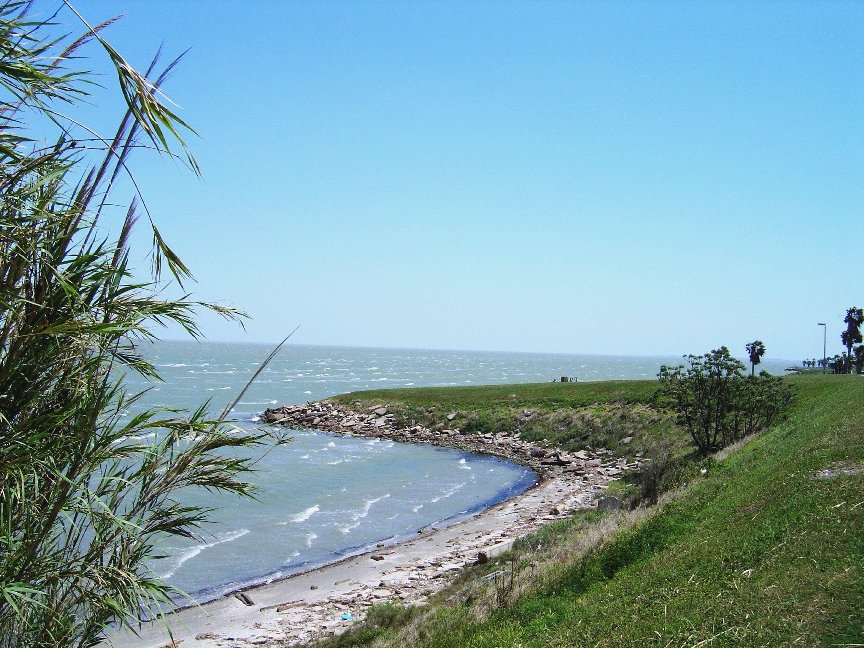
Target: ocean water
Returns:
[323, 497]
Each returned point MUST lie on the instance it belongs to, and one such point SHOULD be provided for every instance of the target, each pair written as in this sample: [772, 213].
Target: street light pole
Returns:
[824, 343]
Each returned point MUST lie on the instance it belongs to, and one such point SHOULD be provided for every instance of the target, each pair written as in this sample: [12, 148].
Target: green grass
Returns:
[492, 397]
[571, 416]
[755, 553]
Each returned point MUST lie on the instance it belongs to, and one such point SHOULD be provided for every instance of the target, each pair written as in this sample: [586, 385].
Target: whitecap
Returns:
[307, 392]
[191, 552]
[464, 464]
[368, 505]
[347, 529]
[448, 493]
[309, 538]
[302, 516]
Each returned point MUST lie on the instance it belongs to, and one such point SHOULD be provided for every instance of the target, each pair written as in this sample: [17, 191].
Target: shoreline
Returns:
[313, 604]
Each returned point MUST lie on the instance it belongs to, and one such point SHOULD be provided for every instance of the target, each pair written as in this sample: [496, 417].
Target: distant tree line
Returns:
[851, 338]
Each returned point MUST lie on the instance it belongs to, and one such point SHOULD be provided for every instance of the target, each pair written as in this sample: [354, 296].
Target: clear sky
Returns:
[591, 177]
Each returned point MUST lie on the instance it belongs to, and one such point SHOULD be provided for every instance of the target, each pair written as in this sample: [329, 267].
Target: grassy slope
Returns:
[493, 397]
[565, 415]
[756, 553]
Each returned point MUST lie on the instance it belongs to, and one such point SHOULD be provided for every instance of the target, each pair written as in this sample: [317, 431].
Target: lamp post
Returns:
[824, 342]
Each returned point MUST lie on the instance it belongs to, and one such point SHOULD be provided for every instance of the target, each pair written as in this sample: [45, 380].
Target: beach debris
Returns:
[495, 574]
[244, 598]
[347, 616]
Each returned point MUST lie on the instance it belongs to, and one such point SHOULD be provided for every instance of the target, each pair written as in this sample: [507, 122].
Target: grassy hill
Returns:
[765, 549]
[571, 416]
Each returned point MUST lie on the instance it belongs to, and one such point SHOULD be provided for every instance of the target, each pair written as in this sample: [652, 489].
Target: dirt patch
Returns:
[838, 471]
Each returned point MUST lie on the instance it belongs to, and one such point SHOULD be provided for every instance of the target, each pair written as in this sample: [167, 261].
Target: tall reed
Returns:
[83, 500]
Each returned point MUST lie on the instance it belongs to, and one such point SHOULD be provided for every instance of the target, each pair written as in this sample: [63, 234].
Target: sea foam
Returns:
[191, 552]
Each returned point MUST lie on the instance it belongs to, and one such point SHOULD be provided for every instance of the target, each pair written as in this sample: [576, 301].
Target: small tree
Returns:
[859, 358]
[852, 335]
[755, 350]
[717, 404]
[702, 394]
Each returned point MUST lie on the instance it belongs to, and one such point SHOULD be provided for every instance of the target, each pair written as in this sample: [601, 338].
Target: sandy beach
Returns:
[327, 600]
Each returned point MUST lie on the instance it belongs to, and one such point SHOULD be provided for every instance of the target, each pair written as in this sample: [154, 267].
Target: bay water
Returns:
[323, 497]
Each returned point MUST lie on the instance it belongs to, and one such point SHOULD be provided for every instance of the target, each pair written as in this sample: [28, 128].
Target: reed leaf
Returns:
[83, 500]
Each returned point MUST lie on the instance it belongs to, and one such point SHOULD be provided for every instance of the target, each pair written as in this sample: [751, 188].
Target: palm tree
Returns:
[755, 350]
[852, 335]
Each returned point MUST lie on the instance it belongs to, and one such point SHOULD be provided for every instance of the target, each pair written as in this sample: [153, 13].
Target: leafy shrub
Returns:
[663, 473]
[717, 404]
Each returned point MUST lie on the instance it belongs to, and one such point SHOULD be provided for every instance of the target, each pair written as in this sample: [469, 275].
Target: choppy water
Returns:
[323, 497]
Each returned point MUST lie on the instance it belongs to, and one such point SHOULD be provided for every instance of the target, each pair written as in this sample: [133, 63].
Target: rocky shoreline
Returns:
[328, 600]
[592, 467]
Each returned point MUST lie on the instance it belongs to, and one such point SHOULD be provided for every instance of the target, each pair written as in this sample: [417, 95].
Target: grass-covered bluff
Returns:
[765, 548]
[571, 416]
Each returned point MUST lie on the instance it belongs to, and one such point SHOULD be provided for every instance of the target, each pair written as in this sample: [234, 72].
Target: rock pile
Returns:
[378, 421]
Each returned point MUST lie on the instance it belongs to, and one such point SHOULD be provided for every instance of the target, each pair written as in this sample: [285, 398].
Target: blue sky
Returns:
[588, 177]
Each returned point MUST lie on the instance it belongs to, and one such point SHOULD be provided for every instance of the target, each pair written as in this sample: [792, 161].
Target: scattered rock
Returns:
[537, 452]
[626, 440]
[313, 587]
[482, 558]
[376, 557]
[555, 511]
[609, 504]
[381, 411]
[451, 416]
